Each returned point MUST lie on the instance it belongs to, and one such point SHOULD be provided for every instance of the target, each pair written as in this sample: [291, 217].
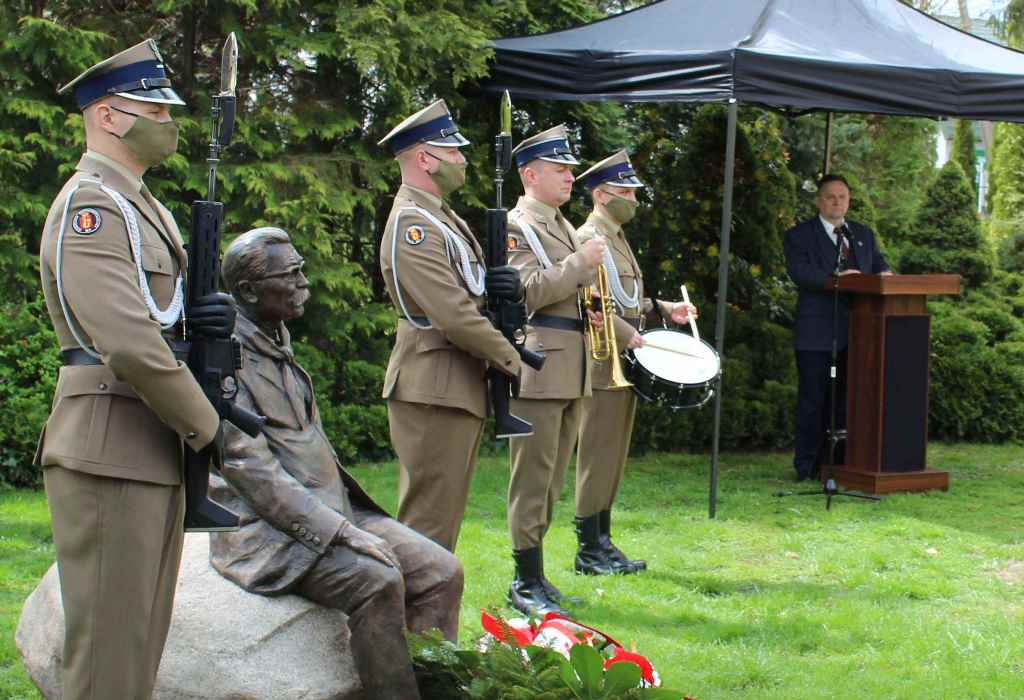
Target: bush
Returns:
[977, 389]
[355, 418]
[1011, 252]
[946, 236]
[29, 362]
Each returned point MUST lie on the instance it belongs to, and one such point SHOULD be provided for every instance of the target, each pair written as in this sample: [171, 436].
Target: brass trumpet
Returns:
[602, 338]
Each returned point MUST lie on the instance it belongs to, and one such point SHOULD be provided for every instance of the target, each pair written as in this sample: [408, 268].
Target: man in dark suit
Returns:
[816, 250]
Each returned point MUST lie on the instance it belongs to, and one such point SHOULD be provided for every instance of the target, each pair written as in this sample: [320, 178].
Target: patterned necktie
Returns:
[844, 249]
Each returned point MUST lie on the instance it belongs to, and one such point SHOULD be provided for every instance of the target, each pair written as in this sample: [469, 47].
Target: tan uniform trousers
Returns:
[605, 433]
[437, 448]
[118, 548]
[538, 463]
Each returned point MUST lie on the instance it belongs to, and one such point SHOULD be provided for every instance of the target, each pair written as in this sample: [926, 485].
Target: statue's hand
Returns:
[367, 544]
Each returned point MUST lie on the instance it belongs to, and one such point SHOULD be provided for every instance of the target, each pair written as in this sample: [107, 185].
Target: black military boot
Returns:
[527, 594]
[614, 553]
[553, 593]
[591, 557]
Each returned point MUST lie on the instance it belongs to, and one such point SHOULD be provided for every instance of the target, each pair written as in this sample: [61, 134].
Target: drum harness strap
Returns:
[454, 246]
[165, 317]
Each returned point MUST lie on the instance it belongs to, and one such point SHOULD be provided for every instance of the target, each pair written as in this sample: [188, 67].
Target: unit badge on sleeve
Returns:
[414, 235]
[87, 221]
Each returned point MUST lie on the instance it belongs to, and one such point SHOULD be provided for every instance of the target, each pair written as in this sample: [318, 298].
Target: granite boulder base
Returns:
[224, 643]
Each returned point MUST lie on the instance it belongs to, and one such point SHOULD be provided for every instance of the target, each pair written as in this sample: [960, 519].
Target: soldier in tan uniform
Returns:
[607, 423]
[435, 382]
[553, 265]
[111, 263]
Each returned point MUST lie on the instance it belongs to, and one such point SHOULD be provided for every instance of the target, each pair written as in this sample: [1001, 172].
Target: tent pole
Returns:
[827, 165]
[723, 289]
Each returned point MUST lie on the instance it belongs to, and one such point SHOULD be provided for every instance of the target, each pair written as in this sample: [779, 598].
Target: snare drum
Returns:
[679, 373]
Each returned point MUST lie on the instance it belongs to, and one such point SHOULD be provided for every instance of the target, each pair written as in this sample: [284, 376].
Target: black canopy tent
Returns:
[877, 56]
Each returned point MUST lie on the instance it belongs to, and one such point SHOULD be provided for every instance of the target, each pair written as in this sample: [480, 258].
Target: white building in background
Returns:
[980, 27]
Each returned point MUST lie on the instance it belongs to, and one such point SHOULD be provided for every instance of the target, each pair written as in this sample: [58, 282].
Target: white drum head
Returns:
[698, 365]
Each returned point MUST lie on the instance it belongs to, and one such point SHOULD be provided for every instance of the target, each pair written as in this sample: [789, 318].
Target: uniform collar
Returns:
[423, 198]
[539, 209]
[604, 224]
[111, 172]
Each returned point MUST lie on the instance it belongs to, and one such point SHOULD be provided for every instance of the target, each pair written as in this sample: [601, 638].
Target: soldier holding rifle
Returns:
[436, 383]
[111, 262]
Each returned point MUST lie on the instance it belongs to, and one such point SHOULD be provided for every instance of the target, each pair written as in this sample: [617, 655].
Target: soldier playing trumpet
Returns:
[606, 425]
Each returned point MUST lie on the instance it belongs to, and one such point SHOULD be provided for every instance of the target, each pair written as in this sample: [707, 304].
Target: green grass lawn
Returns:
[919, 596]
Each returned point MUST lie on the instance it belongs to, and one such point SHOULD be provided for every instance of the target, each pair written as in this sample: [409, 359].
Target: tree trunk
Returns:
[965, 16]
[188, 51]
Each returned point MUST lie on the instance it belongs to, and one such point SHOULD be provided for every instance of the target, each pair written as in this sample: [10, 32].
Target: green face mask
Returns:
[150, 141]
[621, 209]
[449, 176]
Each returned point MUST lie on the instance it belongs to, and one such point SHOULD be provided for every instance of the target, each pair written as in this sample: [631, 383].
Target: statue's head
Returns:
[263, 271]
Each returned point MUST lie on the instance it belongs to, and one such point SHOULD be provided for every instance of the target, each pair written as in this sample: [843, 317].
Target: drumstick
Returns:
[656, 346]
[693, 324]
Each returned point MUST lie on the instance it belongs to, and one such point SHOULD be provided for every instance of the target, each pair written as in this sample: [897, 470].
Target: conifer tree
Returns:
[963, 151]
[947, 236]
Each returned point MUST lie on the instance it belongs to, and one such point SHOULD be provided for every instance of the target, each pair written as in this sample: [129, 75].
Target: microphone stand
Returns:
[833, 434]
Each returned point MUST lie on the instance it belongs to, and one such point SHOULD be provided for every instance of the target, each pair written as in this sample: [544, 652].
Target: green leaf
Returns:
[586, 663]
[620, 677]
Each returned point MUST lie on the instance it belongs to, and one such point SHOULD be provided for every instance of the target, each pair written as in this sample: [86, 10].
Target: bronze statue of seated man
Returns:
[307, 527]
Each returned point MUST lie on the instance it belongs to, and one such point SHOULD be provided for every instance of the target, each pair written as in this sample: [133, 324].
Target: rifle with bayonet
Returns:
[213, 361]
[508, 316]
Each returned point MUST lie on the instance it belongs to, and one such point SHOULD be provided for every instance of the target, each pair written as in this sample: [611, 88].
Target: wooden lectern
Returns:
[887, 382]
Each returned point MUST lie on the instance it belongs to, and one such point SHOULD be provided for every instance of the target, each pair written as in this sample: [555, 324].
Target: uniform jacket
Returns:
[631, 278]
[125, 418]
[445, 365]
[287, 485]
[810, 261]
[555, 292]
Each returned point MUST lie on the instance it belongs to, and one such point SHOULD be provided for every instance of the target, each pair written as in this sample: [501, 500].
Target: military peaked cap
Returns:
[137, 73]
[431, 125]
[551, 145]
[613, 170]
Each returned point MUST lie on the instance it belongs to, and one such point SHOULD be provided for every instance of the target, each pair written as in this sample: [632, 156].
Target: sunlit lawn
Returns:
[919, 596]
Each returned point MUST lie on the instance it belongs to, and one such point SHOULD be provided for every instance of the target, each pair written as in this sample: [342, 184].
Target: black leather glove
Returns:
[217, 443]
[212, 316]
[503, 282]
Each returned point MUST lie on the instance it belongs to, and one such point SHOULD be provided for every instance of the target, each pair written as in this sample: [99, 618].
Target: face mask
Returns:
[150, 141]
[621, 209]
[449, 176]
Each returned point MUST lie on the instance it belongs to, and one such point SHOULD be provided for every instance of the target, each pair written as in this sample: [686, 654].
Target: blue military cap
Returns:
[613, 170]
[137, 73]
[431, 125]
[551, 145]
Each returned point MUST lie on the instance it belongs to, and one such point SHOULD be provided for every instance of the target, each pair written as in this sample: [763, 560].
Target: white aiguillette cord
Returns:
[693, 323]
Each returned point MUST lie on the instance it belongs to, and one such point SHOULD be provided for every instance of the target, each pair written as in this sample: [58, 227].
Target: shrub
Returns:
[977, 389]
[946, 236]
[29, 362]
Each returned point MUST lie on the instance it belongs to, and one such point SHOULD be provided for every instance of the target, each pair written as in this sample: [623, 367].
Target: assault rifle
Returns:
[213, 361]
[507, 316]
